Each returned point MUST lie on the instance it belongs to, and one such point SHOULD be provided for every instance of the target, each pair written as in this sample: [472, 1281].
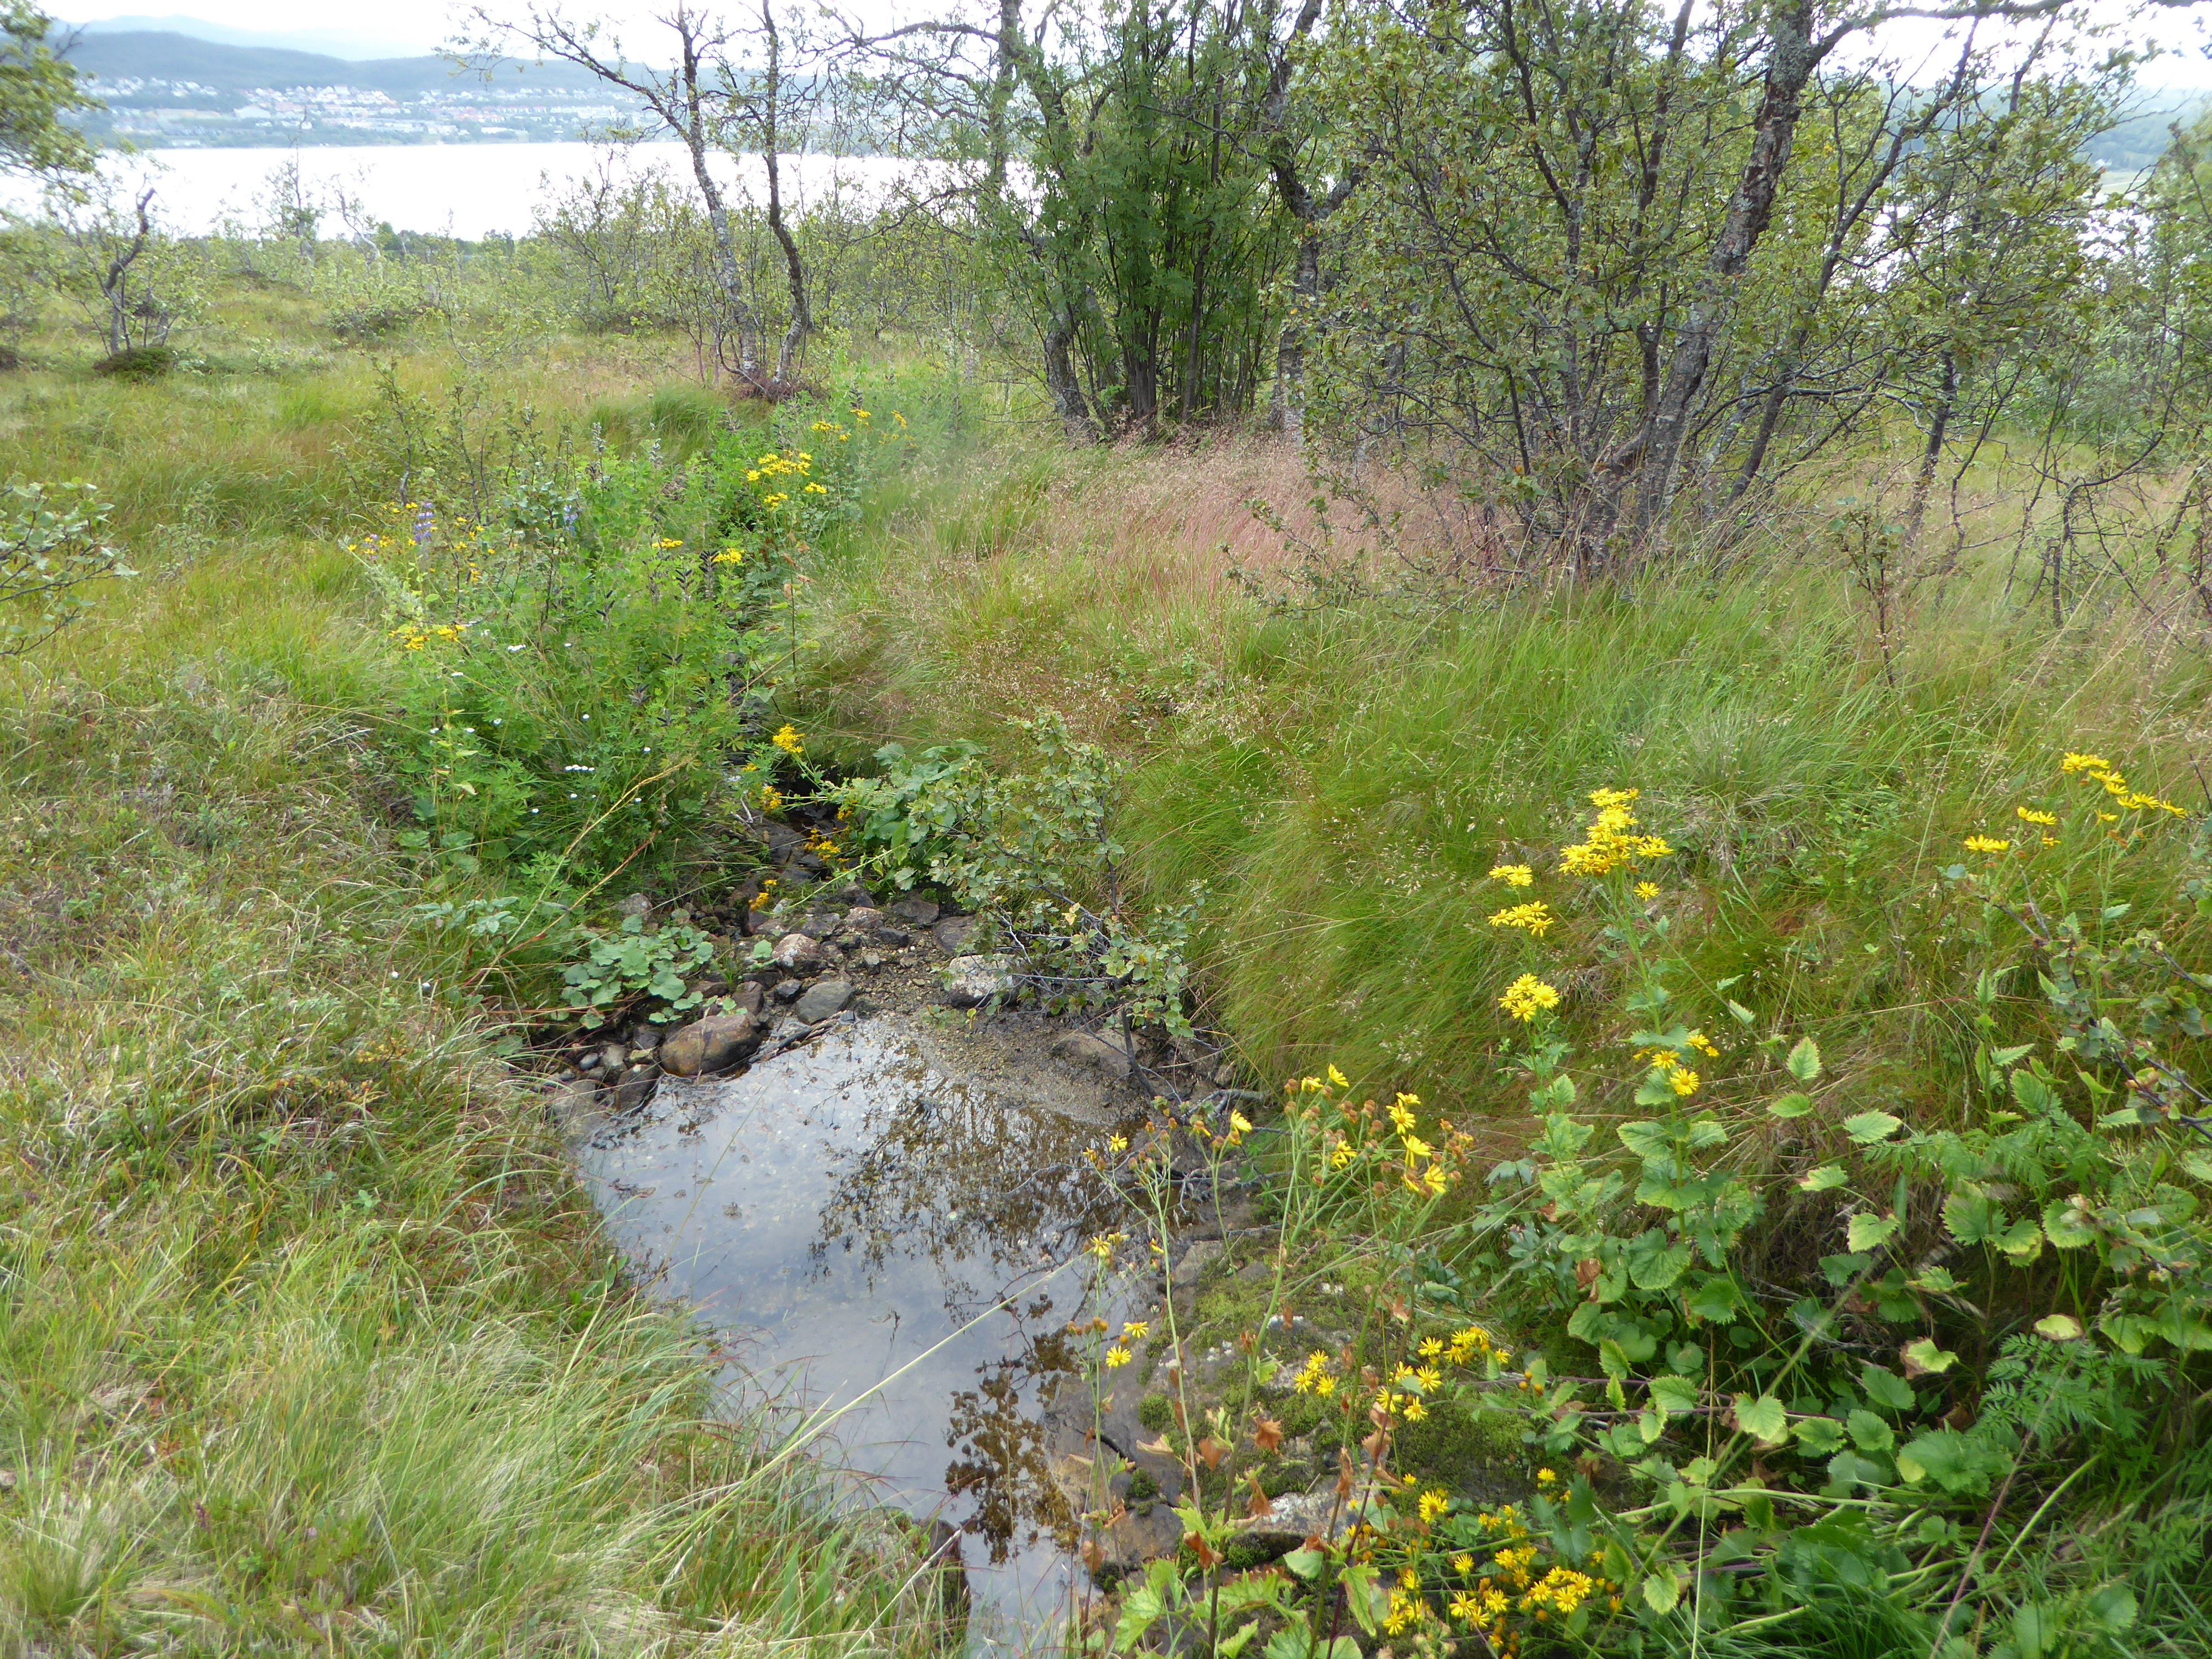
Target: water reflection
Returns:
[899, 1209]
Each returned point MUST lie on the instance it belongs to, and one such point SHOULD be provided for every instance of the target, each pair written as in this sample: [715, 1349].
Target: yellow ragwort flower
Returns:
[1513, 875]
[2046, 819]
[1533, 918]
[1527, 997]
[1987, 844]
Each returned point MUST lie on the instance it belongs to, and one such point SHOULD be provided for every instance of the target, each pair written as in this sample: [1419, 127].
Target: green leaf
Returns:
[1818, 1437]
[1236, 1642]
[2059, 1327]
[1866, 1127]
[1790, 1105]
[1870, 1232]
[1955, 1461]
[1645, 1138]
[2062, 1225]
[1656, 1268]
[2113, 1607]
[1763, 1418]
[1870, 1433]
[1804, 1062]
[1741, 1015]
[1671, 1395]
[1824, 1179]
[1305, 1562]
[1886, 1389]
[1663, 1589]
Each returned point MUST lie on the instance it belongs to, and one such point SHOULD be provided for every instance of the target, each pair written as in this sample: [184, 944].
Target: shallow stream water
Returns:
[889, 1222]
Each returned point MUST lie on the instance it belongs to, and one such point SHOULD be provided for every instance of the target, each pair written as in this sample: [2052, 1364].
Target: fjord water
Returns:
[470, 191]
[892, 1218]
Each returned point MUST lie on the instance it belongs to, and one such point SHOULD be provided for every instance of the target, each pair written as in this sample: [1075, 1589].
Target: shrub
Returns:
[52, 547]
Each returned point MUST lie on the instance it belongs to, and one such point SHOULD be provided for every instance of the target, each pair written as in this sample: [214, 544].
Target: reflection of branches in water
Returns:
[951, 1179]
[1001, 1460]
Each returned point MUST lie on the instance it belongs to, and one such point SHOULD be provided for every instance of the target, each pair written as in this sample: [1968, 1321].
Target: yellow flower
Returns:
[1533, 918]
[788, 740]
[1527, 996]
[731, 556]
[1417, 1149]
[1434, 1503]
[1435, 1180]
[771, 798]
[1136, 1330]
[2046, 819]
[1117, 1143]
[1647, 890]
[1684, 1081]
[667, 542]
[1545, 1477]
[1513, 875]
[1462, 1563]
[1987, 844]
[1239, 1124]
[1338, 1079]
[1117, 1356]
[1431, 1347]
[2074, 763]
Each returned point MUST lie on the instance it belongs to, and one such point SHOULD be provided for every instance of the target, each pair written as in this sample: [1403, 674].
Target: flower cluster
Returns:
[1527, 997]
[1609, 842]
[1533, 918]
[2096, 769]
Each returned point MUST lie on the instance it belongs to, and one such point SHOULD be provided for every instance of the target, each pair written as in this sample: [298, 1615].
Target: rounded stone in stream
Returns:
[711, 1044]
[822, 998]
[795, 953]
[969, 980]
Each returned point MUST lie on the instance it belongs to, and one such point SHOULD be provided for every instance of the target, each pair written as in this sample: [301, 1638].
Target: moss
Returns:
[1143, 1488]
[1455, 1445]
[1156, 1412]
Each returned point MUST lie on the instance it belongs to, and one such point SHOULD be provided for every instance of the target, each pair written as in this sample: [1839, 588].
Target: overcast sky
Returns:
[421, 25]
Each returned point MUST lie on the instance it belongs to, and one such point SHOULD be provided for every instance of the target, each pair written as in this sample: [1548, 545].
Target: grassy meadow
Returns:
[308, 1341]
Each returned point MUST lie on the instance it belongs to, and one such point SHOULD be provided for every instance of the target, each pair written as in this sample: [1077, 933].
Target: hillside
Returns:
[165, 88]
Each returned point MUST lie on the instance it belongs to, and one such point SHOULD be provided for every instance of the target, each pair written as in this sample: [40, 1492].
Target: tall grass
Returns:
[1342, 778]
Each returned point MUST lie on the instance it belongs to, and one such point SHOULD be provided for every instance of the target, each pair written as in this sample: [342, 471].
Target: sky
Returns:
[420, 26]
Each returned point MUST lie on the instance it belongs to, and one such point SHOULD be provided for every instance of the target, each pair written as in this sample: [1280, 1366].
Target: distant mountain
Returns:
[231, 71]
[335, 43]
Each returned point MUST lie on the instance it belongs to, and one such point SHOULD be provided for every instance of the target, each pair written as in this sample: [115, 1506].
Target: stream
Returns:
[888, 1226]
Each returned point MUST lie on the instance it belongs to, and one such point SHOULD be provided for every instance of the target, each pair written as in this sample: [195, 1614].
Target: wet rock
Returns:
[709, 1045]
[790, 991]
[896, 939]
[638, 905]
[612, 1058]
[824, 998]
[970, 981]
[635, 1088]
[570, 1103]
[644, 1037]
[1082, 1048]
[1298, 1515]
[748, 996]
[915, 912]
[783, 841]
[798, 953]
[951, 935]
